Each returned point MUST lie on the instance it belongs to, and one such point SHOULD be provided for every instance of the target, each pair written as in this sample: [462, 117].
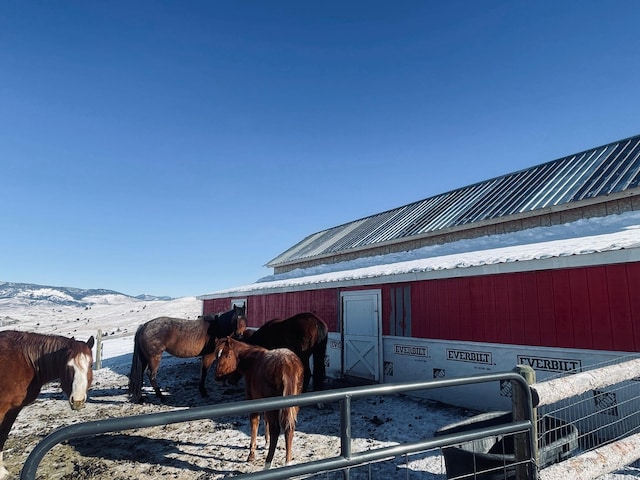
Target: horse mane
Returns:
[226, 323]
[250, 352]
[45, 353]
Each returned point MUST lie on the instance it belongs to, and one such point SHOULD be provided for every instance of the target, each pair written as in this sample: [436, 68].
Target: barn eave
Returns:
[613, 256]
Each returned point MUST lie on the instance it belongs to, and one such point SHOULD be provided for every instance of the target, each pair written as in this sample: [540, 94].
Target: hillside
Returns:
[32, 293]
[81, 313]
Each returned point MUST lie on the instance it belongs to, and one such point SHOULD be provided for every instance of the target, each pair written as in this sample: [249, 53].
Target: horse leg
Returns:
[154, 364]
[5, 425]
[207, 361]
[254, 419]
[266, 431]
[136, 390]
[319, 368]
[307, 374]
[288, 439]
[273, 425]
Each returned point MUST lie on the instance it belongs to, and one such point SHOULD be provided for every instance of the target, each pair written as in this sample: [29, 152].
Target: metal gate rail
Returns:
[345, 460]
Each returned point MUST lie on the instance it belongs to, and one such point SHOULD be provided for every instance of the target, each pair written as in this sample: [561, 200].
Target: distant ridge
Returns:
[151, 298]
[33, 293]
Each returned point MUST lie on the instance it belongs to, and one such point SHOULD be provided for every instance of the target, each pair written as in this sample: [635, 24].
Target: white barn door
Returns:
[362, 334]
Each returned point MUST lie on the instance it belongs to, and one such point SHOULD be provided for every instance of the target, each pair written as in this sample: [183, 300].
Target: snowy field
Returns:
[196, 450]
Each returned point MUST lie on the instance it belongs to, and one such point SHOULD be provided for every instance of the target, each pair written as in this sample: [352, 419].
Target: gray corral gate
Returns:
[601, 448]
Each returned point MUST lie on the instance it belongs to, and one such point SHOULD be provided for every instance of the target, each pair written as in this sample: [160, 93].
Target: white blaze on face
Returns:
[81, 365]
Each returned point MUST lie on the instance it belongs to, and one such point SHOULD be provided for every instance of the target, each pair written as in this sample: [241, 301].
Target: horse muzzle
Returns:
[77, 404]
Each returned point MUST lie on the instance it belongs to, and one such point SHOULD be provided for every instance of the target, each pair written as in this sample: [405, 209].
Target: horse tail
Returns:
[138, 366]
[288, 416]
[319, 353]
[292, 385]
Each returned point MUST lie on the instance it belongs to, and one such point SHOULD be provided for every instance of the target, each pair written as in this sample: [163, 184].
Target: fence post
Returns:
[98, 362]
[519, 410]
[345, 431]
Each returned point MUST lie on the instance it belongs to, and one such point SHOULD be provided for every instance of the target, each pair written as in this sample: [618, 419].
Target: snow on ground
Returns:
[201, 449]
[196, 450]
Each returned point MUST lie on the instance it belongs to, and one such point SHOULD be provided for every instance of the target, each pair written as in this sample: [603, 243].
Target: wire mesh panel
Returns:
[602, 415]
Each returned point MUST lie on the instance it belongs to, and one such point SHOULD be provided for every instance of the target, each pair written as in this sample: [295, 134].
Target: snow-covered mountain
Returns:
[29, 293]
[81, 313]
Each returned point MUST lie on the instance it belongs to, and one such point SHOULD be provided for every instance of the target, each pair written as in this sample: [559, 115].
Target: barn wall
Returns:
[412, 359]
[588, 308]
[216, 305]
[594, 307]
[324, 303]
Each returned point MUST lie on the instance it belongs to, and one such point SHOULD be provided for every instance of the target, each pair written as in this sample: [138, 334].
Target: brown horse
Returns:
[181, 338]
[28, 361]
[267, 373]
[305, 334]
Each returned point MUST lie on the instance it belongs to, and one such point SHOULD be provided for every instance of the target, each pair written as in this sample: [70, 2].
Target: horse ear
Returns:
[90, 342]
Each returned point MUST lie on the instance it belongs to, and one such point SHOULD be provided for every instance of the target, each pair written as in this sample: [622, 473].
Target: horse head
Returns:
[78, 374]
[226, 358]
[233, 322]
[241, 321]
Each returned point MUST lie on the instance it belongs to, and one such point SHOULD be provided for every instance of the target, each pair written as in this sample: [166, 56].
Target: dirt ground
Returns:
[209, 449]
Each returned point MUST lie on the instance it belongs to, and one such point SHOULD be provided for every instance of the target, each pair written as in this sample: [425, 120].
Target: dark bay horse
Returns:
[181, 338]
[30, 360]
[305, 334]
[267, 373]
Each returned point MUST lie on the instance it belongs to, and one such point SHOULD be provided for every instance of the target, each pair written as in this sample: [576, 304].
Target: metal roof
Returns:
[601, 171]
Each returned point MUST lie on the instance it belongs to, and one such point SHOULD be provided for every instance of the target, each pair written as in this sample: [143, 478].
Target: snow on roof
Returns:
[582, 237]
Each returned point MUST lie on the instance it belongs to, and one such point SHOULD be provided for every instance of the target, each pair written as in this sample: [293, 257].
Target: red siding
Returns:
[217, 305]
[545, 307]
[503, 318]
[591, 307]
[261, 308]
[386, 308]
[633, 282]
[581, 313]
[563, 308]
[531, 316]
[465, 309]
[620, 308]
[490, 310]
[476, 308]
[599, 304]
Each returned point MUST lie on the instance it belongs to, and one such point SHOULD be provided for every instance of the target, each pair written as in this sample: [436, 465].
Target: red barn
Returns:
[537, 267]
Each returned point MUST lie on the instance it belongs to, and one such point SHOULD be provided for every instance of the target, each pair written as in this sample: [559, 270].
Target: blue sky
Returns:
[174, 148]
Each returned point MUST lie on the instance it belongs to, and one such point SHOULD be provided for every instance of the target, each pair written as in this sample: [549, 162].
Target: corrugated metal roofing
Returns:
[597, 172]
